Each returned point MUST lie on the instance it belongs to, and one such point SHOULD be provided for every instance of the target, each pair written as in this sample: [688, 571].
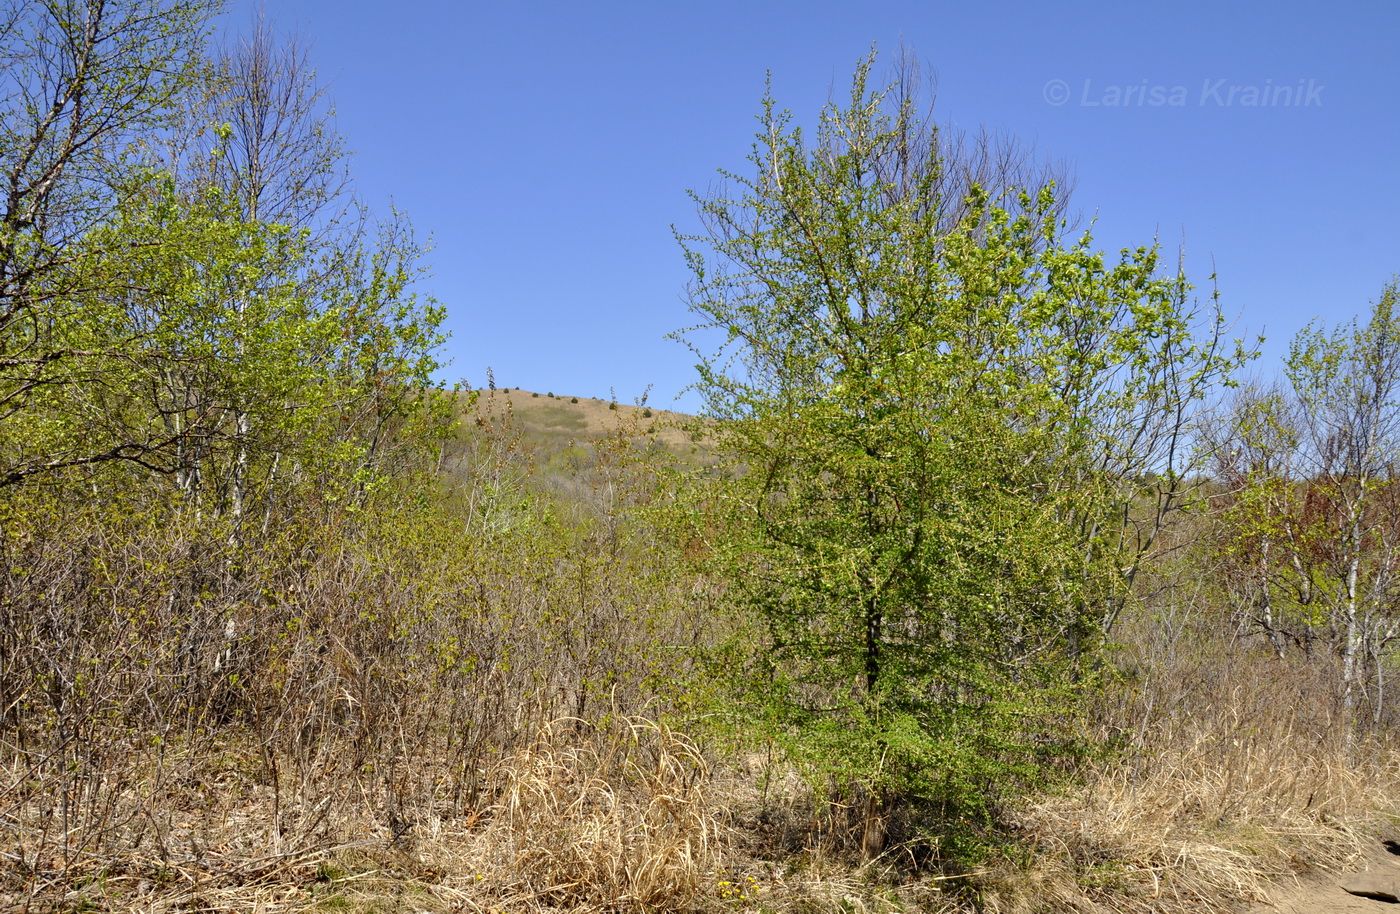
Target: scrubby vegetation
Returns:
[981, 584]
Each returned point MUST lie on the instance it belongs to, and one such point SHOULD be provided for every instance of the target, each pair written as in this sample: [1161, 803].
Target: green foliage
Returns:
[159, 333]
[935, 428]
[83, 86]
[1309, 522]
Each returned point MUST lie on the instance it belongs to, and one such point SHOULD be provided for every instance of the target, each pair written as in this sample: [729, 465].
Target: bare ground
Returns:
[1379, 873]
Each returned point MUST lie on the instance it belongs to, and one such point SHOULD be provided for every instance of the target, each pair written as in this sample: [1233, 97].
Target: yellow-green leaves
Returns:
[939, 410]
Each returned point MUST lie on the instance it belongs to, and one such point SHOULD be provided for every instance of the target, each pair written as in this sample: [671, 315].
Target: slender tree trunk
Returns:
[1266, 602]
[1380, 684]
[1349, 635]
[239, 488]
[873, 625]
[271, 477]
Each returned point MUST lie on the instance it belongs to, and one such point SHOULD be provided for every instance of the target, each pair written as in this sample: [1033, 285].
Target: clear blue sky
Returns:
[547, 148]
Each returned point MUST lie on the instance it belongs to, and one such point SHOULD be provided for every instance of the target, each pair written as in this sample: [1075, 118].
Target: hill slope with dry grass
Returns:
[552, 423]
[556, 439]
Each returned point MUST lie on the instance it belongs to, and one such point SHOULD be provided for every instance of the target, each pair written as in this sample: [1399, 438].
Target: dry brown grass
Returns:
[584, 818]
[564, 438]
[1237, 774]
[1202, 812]
[618, 821]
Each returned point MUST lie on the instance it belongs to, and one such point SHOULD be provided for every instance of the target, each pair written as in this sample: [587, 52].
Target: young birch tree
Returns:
[1347, 386]
[80, 82]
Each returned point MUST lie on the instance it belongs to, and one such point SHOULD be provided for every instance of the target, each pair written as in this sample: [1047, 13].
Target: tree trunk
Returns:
[1266, 602]
[1349, 636]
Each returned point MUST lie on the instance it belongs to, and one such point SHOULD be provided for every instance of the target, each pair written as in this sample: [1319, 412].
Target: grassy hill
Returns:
[558, 435]
[556, 421]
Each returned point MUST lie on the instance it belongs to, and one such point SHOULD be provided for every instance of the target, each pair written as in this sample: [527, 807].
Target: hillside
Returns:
[559, 433]
[556, 420]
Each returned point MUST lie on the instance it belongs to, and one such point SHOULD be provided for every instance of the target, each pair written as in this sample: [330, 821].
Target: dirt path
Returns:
[1329, 895]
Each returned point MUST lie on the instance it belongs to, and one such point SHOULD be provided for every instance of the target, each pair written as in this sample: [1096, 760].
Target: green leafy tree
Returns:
[955, 435]
[83, 82]
[1310, 514]
[389, 406]
[1261, 517]
[1346, 384]
[163, 357]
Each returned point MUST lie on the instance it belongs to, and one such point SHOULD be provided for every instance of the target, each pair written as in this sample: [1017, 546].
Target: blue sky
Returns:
[547, 148]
